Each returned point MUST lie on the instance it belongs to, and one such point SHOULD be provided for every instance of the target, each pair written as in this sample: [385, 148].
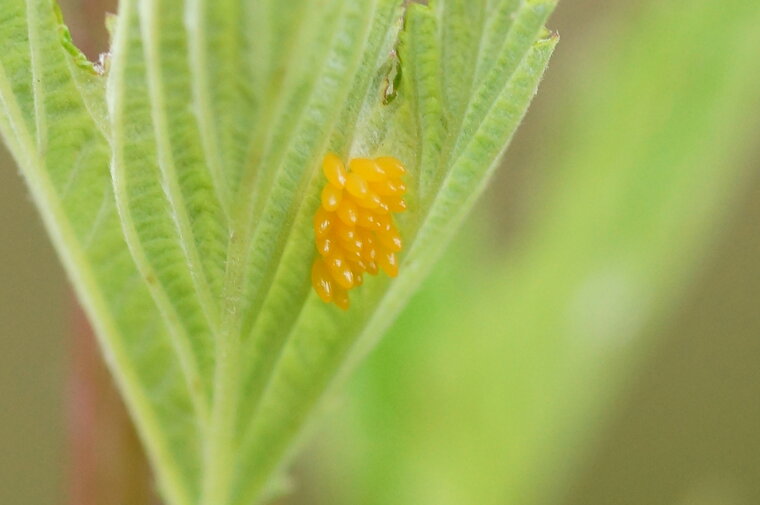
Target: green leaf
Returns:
[324, 344]
[51, 125]
[218, 117]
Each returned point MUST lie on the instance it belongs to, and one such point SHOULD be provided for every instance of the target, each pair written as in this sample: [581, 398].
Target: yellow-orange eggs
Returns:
[353, 226]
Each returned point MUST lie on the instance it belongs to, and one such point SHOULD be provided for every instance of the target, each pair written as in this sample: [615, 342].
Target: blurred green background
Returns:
[591, 338]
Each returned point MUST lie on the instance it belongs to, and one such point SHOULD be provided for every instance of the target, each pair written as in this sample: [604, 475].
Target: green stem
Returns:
[221, 433]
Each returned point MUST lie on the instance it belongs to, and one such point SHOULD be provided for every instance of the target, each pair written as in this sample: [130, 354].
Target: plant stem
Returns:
[221, 435]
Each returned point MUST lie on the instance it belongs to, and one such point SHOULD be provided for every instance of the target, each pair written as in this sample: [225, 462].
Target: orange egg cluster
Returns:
[354, 227]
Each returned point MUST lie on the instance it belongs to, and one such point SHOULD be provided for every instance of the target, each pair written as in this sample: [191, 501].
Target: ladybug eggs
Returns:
[353, 226]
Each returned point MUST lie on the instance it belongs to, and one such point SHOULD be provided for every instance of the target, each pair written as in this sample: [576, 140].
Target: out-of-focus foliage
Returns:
[494, 381]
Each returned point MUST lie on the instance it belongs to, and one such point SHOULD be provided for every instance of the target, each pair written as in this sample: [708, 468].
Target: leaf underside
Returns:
[179, 191]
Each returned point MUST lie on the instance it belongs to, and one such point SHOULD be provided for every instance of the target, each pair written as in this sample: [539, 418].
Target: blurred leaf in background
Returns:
[497, 380]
